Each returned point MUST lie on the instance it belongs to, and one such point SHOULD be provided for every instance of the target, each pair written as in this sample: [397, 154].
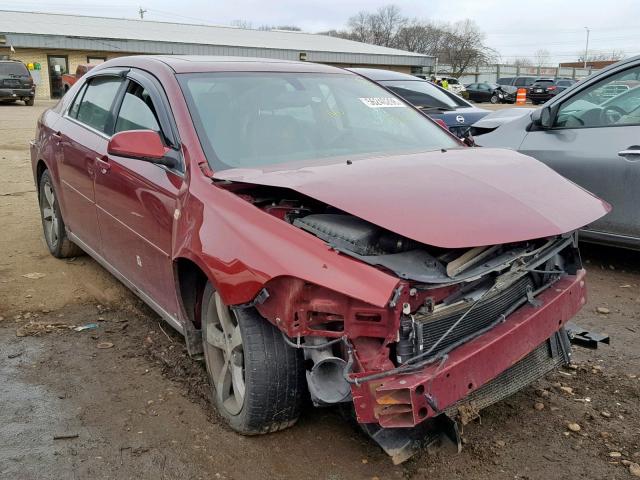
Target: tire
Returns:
[257, 380]
[494, 99]
[535, 102]
[29, 102]
[55, 234]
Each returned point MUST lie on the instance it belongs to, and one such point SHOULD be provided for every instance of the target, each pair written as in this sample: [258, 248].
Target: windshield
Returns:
[13, 69]
[423, 94]
[254, 119]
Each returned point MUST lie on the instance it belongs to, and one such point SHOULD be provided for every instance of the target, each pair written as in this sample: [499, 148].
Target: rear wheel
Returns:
[55, 234]
[257, 380]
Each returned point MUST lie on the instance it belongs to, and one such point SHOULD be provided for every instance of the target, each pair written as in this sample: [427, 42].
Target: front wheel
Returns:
[29, 101]
[494, 99]
[55, 234]
[257, 380]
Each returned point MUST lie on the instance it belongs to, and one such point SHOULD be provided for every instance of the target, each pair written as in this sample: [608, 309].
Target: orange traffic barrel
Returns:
[521, 98]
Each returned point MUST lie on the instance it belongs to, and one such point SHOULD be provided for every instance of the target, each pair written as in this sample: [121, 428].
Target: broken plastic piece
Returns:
[88, 326]
[584, 338]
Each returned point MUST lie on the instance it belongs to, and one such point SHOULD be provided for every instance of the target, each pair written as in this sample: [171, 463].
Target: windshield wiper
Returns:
[432, 107]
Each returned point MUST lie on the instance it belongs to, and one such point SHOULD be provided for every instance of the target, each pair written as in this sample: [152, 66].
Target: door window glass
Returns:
[73, 111]
[137, 111]
[95, 106]
[613, 101]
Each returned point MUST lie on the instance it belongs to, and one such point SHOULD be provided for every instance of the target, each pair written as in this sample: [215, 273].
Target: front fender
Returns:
[240, 248]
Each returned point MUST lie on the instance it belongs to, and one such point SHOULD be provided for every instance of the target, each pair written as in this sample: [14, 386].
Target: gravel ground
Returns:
[133, 405]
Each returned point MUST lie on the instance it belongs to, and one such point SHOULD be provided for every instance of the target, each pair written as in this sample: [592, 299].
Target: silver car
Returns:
[590, 133]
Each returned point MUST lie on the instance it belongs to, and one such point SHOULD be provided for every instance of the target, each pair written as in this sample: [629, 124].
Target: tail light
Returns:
[551, 88]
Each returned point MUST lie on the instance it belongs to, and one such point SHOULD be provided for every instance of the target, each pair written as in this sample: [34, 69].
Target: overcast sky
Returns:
[514, 28]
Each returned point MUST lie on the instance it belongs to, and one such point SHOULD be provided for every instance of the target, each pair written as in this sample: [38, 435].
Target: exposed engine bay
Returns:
[445, 298]
[443, 283]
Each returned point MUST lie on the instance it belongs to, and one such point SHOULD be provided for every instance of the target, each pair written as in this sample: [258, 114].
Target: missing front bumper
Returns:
[404, 401]
[441, 432]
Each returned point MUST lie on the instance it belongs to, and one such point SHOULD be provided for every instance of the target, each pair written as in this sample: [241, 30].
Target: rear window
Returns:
[423, 94]
[524, 81]
[13, 68]
[544, 82]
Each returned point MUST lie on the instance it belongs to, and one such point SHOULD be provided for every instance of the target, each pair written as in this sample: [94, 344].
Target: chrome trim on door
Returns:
[170, 319]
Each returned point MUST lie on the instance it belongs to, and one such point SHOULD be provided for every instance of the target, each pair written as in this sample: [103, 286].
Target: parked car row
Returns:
[590, 133]
[314, 235]
[448, 109]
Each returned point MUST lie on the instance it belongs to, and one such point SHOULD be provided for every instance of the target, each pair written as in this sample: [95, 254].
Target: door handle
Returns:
[633, 152]
[103, 164]
[57, 137]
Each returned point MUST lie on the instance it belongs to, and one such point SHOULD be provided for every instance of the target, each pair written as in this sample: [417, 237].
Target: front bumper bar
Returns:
[408, 400]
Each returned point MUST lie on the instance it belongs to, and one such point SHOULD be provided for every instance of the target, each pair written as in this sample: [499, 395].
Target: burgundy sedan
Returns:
[310, 233]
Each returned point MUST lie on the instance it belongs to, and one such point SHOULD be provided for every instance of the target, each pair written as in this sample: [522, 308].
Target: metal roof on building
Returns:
[48, 30]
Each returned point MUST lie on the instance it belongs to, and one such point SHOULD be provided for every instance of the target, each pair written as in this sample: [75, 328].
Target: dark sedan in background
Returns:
[446, 108]
[491, 92]
[590, 133]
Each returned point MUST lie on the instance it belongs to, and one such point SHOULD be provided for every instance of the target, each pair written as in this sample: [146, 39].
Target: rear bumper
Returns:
[401, 401]
[540, 97]
[17, 93]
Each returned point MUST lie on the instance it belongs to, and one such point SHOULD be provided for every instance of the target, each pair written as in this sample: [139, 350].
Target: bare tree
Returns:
[459, 45]
[379, 27]
[417, 36]
[291, 28]
[241, 24]
[542, 57]
[463, 46]
[614, 55]
[522, 62]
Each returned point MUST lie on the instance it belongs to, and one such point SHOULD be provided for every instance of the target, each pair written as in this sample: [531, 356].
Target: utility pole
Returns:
[586, 48]
[141, 12]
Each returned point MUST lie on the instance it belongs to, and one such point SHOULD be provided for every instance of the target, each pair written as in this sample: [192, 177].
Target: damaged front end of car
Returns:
[464, 328]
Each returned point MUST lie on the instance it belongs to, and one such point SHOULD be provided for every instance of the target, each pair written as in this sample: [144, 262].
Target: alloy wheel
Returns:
[225, 355]
[49, 216]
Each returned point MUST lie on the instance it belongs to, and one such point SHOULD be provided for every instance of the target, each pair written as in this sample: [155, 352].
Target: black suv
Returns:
[519, 82]
[16, 82]
[545, 88]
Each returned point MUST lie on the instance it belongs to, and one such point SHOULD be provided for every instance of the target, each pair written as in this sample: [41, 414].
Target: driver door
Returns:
[595, 142]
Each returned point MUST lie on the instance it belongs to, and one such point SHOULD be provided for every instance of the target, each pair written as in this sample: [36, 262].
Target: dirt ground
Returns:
[133, 405]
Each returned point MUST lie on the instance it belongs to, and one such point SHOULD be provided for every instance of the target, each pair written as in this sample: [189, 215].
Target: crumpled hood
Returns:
[500, 117]
[459, 198]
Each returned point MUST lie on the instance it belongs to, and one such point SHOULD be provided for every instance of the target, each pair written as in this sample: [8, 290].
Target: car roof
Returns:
[203, 63]
[380, 75]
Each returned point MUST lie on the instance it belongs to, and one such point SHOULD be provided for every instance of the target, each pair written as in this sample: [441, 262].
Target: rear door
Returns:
[136, 200]
[473, 91]
[484, 92]
[596, 143]
[83, 135]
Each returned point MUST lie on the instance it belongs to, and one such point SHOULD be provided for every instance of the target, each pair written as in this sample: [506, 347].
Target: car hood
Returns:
[500, 117]
[462, 116]
[457, 198]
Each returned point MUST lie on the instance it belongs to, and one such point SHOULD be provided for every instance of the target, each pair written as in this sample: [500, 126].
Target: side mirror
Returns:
[543, 117]
[143, 145]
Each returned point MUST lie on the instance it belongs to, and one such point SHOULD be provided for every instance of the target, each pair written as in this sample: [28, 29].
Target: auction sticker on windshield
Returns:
[382, 102]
